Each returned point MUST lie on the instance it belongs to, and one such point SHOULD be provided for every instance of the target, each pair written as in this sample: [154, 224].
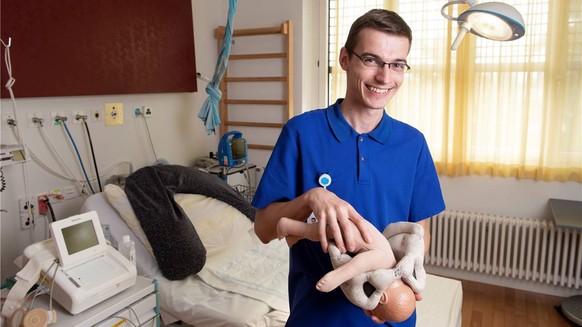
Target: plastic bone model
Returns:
[389, 299]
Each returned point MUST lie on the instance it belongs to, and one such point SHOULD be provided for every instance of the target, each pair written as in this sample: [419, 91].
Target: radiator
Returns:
[526, 249]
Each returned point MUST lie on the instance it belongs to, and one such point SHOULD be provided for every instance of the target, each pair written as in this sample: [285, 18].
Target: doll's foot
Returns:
[325, 284]
[282, 229]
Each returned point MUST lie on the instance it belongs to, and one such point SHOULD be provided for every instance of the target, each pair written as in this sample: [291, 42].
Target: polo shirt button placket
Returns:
[363, 173]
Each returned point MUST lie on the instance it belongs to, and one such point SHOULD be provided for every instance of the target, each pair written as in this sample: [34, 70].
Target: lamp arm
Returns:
[454, 2]
[463, 29]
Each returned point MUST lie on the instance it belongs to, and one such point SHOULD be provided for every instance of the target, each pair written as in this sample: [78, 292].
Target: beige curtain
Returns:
[510, 109]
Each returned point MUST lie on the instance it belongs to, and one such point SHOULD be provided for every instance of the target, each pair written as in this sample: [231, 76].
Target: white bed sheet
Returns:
[196, 303]
[442, 302]
[191, 300]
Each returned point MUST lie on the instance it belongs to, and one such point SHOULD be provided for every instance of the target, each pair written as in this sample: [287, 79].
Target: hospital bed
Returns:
[243, 282]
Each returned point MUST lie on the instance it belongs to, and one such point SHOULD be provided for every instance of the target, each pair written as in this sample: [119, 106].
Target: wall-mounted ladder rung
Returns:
[257, 56]
[260, 146]
[282, 29]
[257, 79]
[253, 124]
[251, 101]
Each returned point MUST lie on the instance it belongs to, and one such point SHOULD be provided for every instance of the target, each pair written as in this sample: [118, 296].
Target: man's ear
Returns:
[343, 58]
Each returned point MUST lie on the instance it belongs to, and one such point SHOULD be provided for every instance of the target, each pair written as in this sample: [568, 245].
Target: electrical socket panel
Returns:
[144, 111]
[136, 112]
[113, 114]
[76, 113]
[5, 118]
[54, 115]
[31, 118]
[96, 115]
[147, 111]
[28, 209]
[70, 192]
[25, 223]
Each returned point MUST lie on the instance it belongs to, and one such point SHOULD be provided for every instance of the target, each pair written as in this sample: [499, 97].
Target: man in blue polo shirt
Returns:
[350, 161]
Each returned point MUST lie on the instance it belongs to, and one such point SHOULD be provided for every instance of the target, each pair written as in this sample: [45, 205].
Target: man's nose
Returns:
[384, 73]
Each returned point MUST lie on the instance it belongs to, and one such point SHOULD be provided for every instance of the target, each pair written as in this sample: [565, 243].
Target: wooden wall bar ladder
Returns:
[286, 31]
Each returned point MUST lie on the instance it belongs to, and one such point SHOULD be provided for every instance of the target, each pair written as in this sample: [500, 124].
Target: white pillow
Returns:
[219, 225]
[118, 199]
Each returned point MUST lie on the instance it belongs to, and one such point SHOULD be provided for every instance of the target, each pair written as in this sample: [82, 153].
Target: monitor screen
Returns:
[238, 149]
[80, 237]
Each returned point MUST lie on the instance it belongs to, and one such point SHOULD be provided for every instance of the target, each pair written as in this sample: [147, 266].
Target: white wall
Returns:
[506, 196]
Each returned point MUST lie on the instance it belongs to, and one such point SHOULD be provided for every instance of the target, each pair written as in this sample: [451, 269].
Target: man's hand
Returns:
[333, 215]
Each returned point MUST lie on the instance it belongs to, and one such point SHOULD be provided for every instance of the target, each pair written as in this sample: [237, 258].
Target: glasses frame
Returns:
[381, 63]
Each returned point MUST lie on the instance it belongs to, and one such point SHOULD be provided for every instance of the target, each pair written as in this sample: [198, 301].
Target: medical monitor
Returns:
[78, 238]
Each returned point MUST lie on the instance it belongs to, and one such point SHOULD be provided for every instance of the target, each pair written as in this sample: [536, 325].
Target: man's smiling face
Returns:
[370, 87]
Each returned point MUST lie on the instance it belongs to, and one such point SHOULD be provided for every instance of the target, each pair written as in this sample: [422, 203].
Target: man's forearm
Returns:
[266, 219]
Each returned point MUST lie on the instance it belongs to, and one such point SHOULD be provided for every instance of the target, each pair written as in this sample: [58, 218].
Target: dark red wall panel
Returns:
[82, 47]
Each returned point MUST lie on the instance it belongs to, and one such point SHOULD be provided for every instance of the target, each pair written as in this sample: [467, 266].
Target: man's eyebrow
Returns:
[368, 54]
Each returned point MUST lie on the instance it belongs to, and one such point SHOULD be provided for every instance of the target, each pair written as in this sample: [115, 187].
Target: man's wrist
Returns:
[312, 195]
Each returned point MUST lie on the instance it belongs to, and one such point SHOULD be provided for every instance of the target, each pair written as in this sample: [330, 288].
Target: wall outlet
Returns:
[33, 119]
[56, 196]
[142, 111]
[136, 112]
[147, 112]
[70, 192]
[25, 222]
[78, 114]
[5, 118]
[113, 114]
[96, 115]
[28, 209]
[54, 115]
[28, 206]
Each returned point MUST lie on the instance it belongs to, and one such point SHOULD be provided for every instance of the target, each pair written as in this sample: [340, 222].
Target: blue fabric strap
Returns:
[209, 111]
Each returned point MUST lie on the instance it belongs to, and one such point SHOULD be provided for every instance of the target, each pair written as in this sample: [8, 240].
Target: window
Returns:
[509, 109]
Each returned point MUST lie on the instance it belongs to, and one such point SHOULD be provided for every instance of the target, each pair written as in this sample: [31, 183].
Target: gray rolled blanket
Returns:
[175, 243]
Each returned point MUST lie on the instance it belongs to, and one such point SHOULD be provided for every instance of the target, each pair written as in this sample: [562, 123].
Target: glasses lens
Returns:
[374, 62]
[398, 67]
[371, 62]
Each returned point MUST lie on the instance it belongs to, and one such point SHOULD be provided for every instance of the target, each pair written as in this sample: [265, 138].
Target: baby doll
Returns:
[371, 262]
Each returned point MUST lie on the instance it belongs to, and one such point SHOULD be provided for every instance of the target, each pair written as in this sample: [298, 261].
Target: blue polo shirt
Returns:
[387, 175]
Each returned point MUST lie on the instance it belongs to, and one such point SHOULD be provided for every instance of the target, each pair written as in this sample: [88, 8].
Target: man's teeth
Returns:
[377, 90]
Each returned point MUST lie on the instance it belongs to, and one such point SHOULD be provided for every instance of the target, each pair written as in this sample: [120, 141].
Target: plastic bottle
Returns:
[127, 248]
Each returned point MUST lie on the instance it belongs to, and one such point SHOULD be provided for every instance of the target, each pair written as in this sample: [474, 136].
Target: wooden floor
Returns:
[494, 306]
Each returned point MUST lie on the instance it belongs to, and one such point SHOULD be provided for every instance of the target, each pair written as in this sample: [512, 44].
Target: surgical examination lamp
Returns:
[491, 20]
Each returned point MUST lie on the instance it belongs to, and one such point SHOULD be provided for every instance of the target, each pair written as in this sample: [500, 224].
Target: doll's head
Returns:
[397, 303]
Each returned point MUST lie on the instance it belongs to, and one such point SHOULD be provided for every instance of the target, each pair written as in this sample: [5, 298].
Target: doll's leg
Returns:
[364, 261]
[294, 230]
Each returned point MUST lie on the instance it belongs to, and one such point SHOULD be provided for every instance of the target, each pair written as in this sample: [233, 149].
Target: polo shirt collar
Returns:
[343, 131]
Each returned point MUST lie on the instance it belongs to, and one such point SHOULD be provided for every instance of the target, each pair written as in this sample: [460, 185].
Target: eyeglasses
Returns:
[375, 62]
